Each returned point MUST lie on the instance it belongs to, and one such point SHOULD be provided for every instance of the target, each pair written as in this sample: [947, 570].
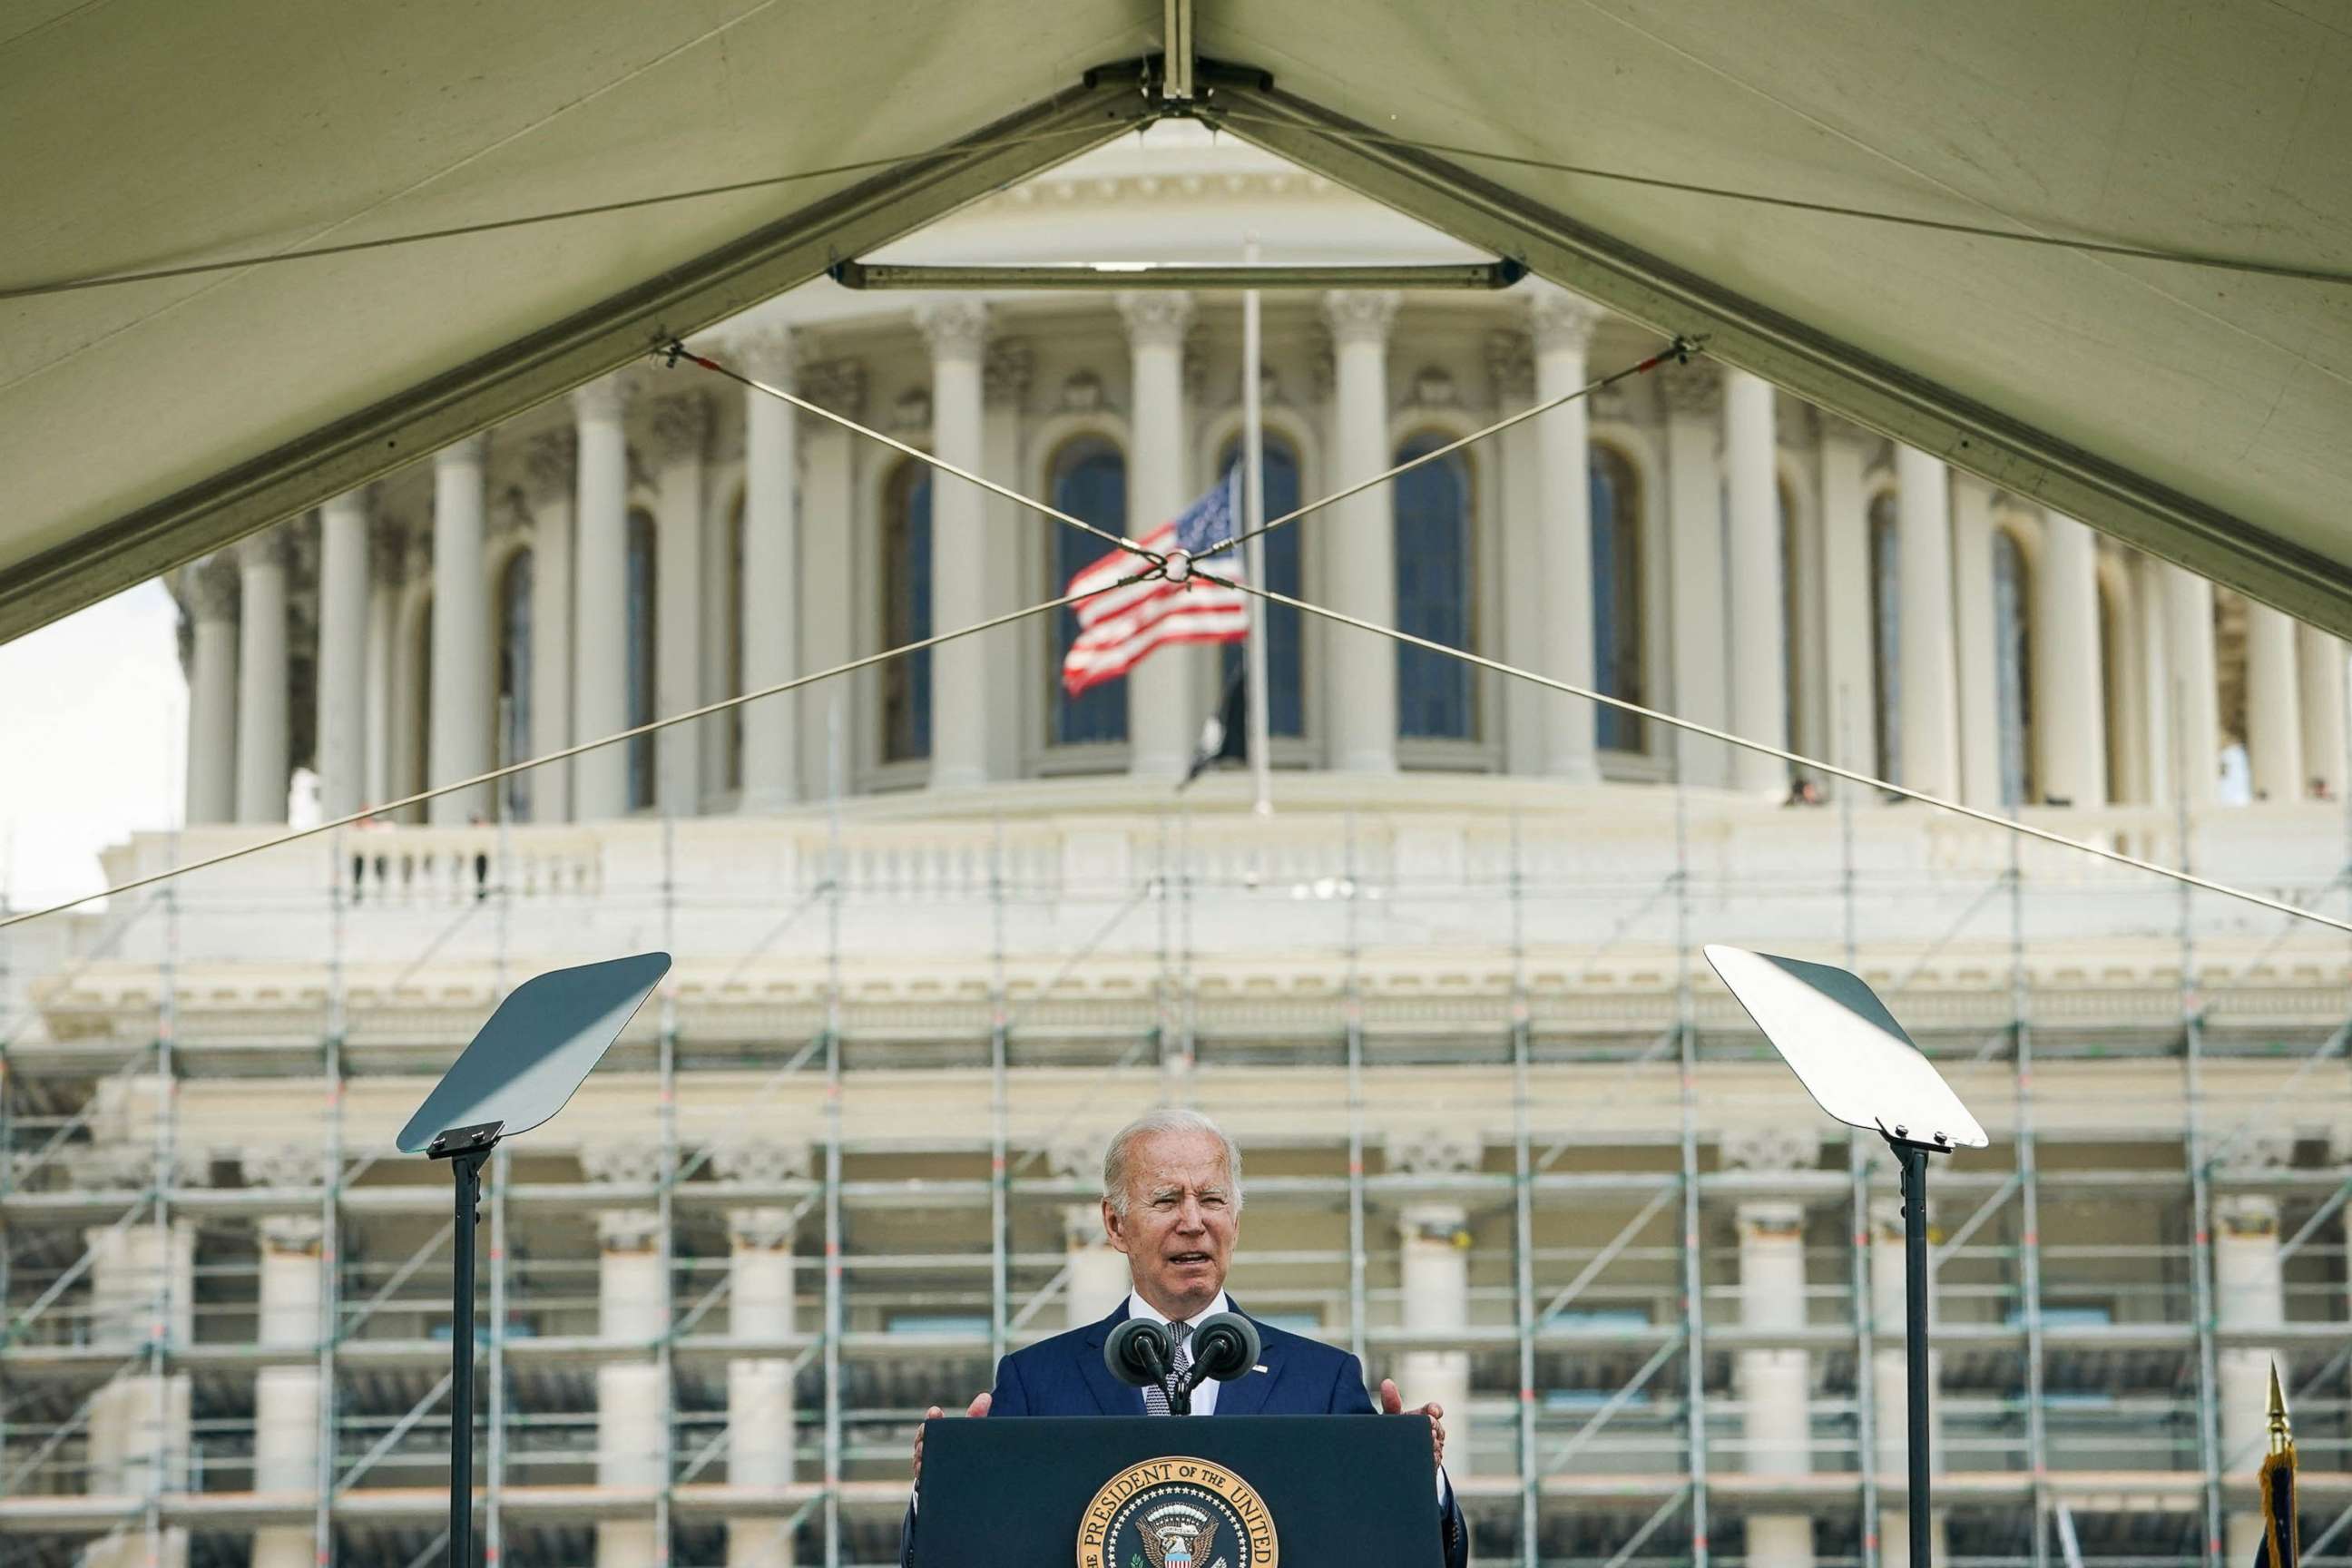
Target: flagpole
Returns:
[1253, 547]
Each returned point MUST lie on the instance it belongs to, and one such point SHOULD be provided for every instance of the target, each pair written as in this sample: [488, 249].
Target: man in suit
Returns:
[1171, 1202]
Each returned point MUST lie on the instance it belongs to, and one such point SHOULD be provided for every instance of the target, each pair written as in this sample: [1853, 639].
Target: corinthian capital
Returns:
[770, 354]
[1004, 378]
[549, 463]
[1156, 318]
[954, 328]
[1360, 315]
[1561, 320]
[1695, 388]
[681, 427]
[212, 586]
[605, 398]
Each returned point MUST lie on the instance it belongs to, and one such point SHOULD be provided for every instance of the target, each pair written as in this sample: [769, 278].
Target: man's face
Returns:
[1182, 1220]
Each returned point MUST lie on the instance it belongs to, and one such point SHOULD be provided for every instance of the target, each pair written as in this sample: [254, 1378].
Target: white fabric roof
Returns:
[2201, 414]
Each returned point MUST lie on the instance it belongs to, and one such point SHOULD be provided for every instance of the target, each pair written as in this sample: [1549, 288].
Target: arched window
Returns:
[643, 608]
[1886, 635]
[514, 681]
[2013, 665]
[906, 612]
[1617, 663]
[1285, 642]
[1432, 591]
[1089, 481]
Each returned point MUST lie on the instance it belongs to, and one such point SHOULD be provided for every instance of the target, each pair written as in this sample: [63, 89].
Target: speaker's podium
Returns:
[1201, 1491]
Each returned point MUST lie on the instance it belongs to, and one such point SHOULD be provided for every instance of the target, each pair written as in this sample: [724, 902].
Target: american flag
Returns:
[1117, 628]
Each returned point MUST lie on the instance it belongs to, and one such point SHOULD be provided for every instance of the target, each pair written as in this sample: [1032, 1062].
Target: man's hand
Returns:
[979, 1408]
[1392, 1404]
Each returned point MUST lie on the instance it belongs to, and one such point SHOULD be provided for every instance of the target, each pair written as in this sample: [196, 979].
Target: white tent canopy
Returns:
[2200, 413]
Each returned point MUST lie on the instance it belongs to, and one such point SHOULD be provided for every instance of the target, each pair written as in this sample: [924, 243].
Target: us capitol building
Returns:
[939, 932]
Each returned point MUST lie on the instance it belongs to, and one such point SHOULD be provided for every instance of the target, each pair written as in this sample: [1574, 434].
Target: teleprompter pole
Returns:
[1913, 1158]
[467, 1148]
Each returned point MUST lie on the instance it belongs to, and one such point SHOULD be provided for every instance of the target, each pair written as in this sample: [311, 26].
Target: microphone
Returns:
[1137, 1352]
[1224, 1347]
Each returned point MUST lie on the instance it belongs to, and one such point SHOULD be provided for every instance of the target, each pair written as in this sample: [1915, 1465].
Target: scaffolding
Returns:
[1451, 996]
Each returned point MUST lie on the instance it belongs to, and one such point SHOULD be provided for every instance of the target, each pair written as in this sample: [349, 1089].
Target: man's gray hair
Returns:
[1122, 1146]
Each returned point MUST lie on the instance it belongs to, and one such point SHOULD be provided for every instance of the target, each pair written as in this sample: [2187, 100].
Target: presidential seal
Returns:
[1177, 1514]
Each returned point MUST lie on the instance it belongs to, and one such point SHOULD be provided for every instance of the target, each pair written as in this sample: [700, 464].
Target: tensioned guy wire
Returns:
[689, 716]
[1155, 567]
[1797, 204]
[1680, 350]
[1693, 726]
[562, 214]
[679, 351]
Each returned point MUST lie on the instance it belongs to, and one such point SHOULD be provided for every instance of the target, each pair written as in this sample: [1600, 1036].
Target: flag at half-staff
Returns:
[2281, 1543]
[1117, 628]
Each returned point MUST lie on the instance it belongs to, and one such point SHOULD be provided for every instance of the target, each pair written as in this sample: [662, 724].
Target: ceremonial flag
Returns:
[1224, 738]
[1117, 628]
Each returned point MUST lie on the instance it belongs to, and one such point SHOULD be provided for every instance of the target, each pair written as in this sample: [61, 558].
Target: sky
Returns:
[92, 731]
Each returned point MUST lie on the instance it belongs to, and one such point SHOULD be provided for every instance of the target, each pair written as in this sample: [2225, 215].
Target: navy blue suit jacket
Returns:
[1066, 1376]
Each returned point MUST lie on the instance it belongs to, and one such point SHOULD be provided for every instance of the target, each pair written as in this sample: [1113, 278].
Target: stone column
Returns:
[1891, 1406]
[1163, 711]
[142, 1280]
[2152, 622]
[1760, 691]
[961, 711]
[632, 1308]
[2069, 706]
[1976, 642]
[828, 576]
[551, 466]
[343, 559]
[1930, 729]
[1004, 383]
[1433, 1269]
[211, 588]
[1848, 632]
[386, 552]
[600, 574]
[1774, 1384]
[1696, 525]
[771, 584]
[460, 741]
[2274, 724]
[2322, 663]
[1098, 1272]
[2249, 1293]
[681, 428]
[286, 1397]
[1098, 1278]
[760, 1388]
[262, 689]
[1511, 368]
[1563, 324]
[2196, 746]
[1360, 565]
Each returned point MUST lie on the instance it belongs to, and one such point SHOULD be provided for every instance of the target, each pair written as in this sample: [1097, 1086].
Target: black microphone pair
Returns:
[1142, 1352]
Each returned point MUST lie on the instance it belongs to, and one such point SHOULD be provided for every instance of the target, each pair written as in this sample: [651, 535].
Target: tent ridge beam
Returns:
[1802, 359]
[349, 452]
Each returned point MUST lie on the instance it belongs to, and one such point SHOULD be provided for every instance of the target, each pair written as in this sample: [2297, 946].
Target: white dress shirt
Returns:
[1204, 1392]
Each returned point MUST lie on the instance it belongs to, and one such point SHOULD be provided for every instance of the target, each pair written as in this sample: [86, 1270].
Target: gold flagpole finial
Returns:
[2282, 1435]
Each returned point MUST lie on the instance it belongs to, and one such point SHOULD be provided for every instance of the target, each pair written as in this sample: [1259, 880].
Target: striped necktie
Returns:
[1155, 1396]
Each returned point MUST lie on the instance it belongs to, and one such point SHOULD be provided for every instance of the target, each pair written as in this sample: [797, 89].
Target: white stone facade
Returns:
[938, 935]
